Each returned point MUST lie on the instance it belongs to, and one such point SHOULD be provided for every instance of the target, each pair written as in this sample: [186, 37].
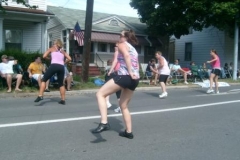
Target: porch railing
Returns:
[99, 62]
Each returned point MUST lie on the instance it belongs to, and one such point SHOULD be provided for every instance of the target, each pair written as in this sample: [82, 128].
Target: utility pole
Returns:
[87, 40]
[235, 56]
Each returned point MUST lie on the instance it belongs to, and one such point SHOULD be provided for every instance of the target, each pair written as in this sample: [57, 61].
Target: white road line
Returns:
[113, 115]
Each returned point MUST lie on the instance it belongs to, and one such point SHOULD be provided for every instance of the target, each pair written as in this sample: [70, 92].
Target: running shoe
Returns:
[101, 127]
[39, 98]
[117, 110]
[126, 134]
[163, 95]
[62, 102]
[109, 105]
[210, 91]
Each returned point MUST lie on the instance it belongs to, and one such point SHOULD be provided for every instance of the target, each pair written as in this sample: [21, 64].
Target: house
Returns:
[197, 45]
[23, 28]
[105, 33]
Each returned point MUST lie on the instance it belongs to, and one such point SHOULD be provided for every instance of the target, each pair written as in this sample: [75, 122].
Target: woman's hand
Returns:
[133, 76]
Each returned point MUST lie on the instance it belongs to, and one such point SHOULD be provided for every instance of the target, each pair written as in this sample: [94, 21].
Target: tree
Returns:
[18, 2]
[175, 17]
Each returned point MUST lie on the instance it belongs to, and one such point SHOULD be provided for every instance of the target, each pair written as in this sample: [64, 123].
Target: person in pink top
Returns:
[216, 71]
[127, 80]
[163, 71]
[56, 67]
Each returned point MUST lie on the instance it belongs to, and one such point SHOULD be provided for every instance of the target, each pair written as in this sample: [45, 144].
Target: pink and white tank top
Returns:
[165, 69]
[216, 64]
[134, 62]
[57, 58]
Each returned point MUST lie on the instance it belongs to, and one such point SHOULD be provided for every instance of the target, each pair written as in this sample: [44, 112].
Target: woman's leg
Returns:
[216, 83]
[49, 73]
[212, 75]
[60, 75]
[124, 100]
[107, 89]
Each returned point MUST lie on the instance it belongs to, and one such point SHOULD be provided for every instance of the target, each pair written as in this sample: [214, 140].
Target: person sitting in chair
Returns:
[36, 70]
[176, 68]
[6, 71]
[151, 71]
[68, 78]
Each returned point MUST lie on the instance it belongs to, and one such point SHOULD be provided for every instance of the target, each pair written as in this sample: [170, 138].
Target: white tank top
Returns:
[165, 69]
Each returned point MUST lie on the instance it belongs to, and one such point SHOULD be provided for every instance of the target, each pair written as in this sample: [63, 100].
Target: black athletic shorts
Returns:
[163, 78]
[216, 72]
[107, 78]
[55, 69]
[125, 81]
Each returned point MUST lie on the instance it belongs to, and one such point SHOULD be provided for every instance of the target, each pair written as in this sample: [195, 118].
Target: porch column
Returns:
[67, 41]
[44, 37]
[1, 34]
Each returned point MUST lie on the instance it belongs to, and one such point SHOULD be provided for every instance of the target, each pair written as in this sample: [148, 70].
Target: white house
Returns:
[197, 45]
[105, 33]
[23, 28]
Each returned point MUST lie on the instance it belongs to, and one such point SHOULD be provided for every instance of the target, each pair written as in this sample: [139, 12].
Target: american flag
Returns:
[78, 34]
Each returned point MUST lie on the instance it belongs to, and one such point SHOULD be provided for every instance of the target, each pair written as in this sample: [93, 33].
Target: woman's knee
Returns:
[99, 93]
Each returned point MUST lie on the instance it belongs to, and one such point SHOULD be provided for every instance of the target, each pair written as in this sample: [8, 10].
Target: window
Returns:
[138, 49]
[64, 39]
[113, 22]
[13, 39]
[26, 1]
[188, 51]
[102, 47]
[112, 47]
[150, 51]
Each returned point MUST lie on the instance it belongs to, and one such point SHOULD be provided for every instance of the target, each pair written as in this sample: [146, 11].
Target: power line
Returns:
[66, 3]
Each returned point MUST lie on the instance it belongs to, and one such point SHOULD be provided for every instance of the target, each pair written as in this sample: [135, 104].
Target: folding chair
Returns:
[145, 74]
[174, 75]
[227, 73]
[195, 73]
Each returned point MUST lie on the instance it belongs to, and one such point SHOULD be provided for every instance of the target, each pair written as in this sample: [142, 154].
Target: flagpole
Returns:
[87, 40]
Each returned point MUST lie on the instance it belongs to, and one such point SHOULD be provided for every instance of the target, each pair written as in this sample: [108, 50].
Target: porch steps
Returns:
[94, 70]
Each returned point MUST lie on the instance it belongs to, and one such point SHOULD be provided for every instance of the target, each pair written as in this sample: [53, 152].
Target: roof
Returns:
[26, 10]
[68, 18]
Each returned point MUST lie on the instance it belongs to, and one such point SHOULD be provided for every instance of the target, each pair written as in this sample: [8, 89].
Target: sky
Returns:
[119, 7]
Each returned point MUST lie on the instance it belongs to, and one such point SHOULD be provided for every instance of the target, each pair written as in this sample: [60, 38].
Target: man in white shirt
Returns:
[6, 71]
[177, 68]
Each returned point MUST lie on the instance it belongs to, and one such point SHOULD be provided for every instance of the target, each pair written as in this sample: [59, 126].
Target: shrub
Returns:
[24, 58]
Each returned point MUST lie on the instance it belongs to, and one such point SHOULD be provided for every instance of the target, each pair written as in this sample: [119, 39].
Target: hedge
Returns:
[24, 58]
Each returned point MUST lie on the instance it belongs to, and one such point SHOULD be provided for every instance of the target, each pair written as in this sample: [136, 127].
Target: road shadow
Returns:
[116, 126]
[152, 94]
[47, 100]
[203, 91]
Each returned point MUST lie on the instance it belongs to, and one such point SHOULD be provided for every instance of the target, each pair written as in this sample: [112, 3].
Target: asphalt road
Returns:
[188, 125]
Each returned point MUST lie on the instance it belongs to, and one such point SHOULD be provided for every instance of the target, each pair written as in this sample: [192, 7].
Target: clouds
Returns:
[120, 7]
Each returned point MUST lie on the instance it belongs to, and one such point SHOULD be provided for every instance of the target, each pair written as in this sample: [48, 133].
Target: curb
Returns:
[91, 91]
[81, 92]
